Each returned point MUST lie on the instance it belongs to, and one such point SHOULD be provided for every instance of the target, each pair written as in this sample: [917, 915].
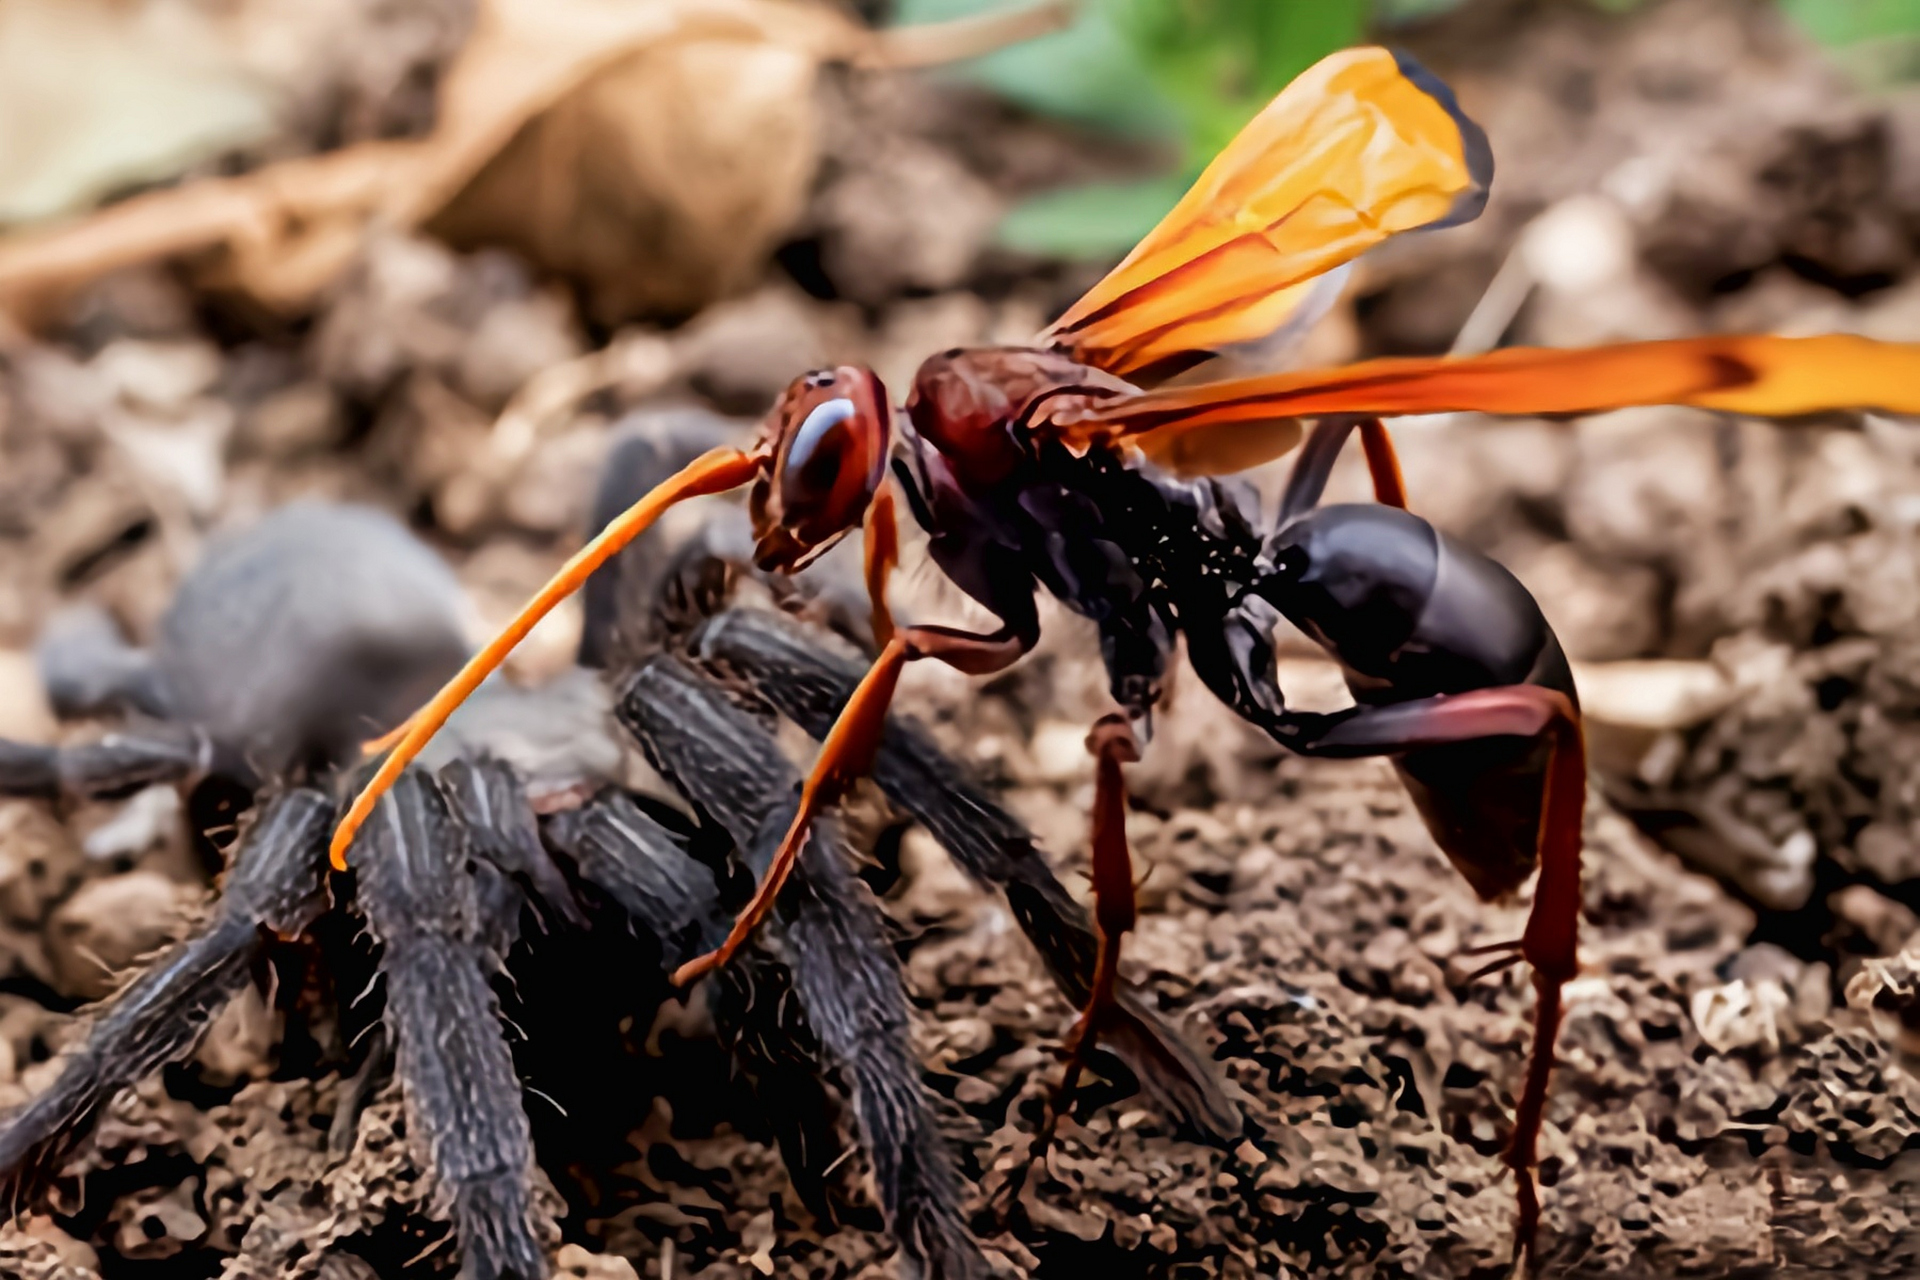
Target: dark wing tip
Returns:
[1474, 148]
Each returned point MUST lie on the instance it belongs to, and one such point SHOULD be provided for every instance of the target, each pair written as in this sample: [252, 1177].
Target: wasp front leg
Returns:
[809, 684]
[847, 752]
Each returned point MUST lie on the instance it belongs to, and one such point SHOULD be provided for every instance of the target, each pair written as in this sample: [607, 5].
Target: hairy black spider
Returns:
[283, 650]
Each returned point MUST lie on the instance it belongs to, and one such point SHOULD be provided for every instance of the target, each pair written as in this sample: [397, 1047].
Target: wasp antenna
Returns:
[712, 472]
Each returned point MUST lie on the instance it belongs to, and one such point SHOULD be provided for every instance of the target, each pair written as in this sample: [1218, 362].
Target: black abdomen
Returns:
[1482, 800]
[1413, 614]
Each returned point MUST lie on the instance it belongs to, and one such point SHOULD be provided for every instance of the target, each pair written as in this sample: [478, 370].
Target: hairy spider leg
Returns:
[1551, 937]
[851, 1006]
[847, 752]
[809, 686]
[845, 756]
[712, 472]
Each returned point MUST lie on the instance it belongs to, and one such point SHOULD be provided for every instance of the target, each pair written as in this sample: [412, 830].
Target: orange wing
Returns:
[1365, 144]
[1766, 376]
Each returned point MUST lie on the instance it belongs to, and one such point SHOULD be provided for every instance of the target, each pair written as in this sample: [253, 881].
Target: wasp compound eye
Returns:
[814, 458]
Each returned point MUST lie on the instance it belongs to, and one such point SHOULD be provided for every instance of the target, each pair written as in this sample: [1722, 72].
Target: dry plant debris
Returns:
[656, 151]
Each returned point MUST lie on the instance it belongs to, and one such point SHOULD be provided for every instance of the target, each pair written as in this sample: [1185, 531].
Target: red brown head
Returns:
[825, 449]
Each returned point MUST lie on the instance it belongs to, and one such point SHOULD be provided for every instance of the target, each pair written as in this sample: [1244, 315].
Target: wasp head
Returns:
[826, 441]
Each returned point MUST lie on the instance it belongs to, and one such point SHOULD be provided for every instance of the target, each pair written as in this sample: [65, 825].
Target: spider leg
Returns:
[644, 868]
[439, 940]
[835, 943]
[118, 764]
[29, 769]
[275, 886]
[651, 875]
[89, 669]
[808, 683]
[491, 803]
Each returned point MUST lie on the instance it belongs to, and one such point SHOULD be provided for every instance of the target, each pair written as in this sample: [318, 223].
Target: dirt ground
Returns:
[1736, 1092]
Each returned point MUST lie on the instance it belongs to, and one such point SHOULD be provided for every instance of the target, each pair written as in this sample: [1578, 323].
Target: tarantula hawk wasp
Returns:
[1072, 465]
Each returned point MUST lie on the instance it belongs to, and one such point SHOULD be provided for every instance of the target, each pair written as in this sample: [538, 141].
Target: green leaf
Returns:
[1101, 220]
[1844, 22]
[1391, 12]
[1220, 61]
[1877, 42]
[1087, 73]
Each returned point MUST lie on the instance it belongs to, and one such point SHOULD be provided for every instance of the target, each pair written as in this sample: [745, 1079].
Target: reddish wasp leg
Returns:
[1315, 464]
[713, 472]
[1550, 947]
[1112, 744]
[882, 555]
[1549, 943]
[846, 754]
[1383, 464]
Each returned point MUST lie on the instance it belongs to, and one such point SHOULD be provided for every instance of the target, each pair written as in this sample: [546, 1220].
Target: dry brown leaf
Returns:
[664, 181]
[96, 95]
[573, 115]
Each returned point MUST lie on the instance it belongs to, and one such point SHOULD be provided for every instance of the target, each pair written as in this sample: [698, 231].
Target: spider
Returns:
[284, 648]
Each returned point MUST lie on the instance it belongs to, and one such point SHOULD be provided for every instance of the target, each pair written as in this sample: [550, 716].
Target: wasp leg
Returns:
[835, 943]
[1112, 744]
[808, 684]
[1317, 456]
[121, 763]
[1550, 941]
[846, 753]
[275, 887]
[423, 906]
[844, 756]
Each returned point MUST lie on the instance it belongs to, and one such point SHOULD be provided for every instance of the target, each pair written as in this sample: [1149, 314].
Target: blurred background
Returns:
[429, 254]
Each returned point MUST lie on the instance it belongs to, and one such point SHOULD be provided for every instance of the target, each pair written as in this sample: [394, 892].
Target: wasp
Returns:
[1096, 464]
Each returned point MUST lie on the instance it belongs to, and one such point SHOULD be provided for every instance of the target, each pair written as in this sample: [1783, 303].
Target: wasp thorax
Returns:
[826, 442]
